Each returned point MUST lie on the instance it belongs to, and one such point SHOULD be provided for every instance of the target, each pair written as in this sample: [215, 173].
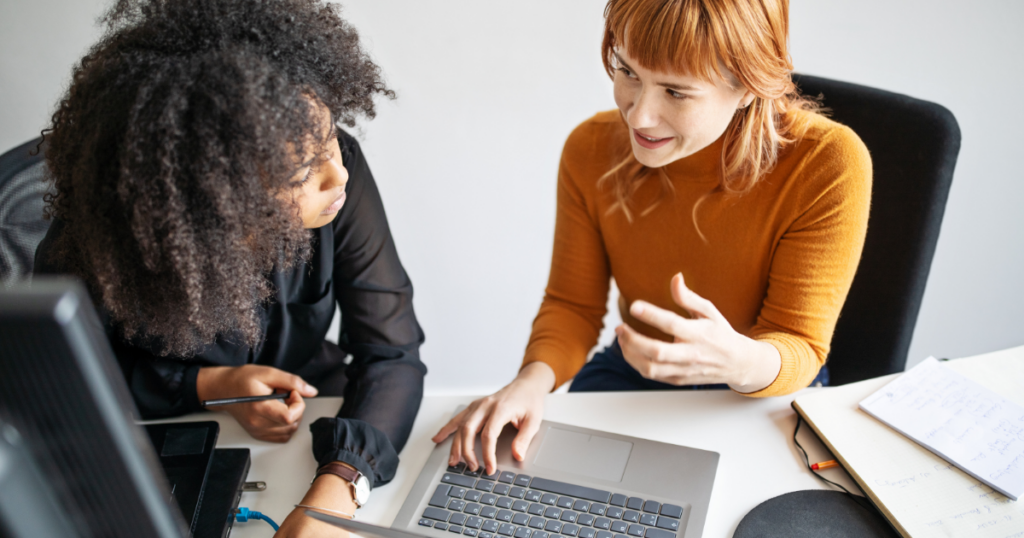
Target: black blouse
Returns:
[355, 264]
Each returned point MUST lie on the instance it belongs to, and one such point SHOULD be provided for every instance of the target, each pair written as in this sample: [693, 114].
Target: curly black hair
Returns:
[170, 150]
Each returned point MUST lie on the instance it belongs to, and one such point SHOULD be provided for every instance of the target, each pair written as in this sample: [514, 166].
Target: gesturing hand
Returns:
[706, 349]
[272, 420]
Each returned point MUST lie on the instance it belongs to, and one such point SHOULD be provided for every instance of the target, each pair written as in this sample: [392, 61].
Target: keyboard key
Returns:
[474, 474]
[572, 490]
[506, 529]
[473, 495]
[490, 525]
[668, 523]
[533, 495]
[635, 503]
[648, 519]
[488, 498]
[569, 516]
[501, 489]
[604, 534]
[440, 496]
[554, 527]
[569, 529]
[456, 529]
[474, 522]
[517, 492]
[458, 519]
[652, 507]
[457, 468]
[631, 516]
[618, 500]
[503, 502]
[436, 514]
[488, 512]
[563, 502]
[585, 519]
[603, 523]
[458, 480]
[548, 498]
[587, 533]
[506, 477]
[658, 533]
[621, 536]
[614, 512]
[472, 509]
[492, 477]
[635, 530]
[523, 480]
[520, 506]
[456, 505]
[536, 509]
[426, 522]
[520, 519]
[672, 510]
[581, 506]
[523, 532]
[470, 532]
[483, 534]
[504, 515]
[484, 485]
[552, 512]
[536, 522]
[619, 526]
[598, 509]
[540, 534]
[456, 491]
[441, 526]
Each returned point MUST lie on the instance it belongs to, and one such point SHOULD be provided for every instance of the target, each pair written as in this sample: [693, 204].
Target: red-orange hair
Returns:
[750, 39]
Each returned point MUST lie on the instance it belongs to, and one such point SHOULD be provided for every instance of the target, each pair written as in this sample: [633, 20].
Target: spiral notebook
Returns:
[920, 493]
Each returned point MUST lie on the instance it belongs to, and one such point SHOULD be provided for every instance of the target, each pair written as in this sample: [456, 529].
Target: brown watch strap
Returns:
[347, 473]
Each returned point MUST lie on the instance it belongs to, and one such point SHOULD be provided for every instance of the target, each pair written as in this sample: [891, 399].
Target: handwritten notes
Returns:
[958, 419]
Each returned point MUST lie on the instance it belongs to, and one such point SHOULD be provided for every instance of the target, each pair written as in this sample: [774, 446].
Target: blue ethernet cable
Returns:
[244, 514]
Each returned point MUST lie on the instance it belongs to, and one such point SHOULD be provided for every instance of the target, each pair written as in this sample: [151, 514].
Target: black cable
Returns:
[859, 499]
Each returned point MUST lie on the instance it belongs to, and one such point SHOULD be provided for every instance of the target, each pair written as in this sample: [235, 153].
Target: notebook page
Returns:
[923, 495]
[970, 426]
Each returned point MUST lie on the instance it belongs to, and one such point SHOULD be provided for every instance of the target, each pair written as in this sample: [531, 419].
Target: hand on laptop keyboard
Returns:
[521, 403]
[466, 503]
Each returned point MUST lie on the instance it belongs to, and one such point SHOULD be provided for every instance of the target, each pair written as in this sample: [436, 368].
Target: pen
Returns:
[825, 465]
[246, 399]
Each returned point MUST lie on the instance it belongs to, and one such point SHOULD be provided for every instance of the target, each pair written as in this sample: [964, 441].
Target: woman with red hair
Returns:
[729, 211]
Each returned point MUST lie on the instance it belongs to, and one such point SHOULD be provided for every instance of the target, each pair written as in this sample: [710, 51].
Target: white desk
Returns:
[754, 437]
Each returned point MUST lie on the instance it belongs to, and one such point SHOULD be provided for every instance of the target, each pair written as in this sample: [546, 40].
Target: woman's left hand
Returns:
[327, 491]
[706, 349]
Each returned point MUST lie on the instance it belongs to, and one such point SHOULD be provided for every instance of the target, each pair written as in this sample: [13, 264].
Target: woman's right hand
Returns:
[520, 403]
[271, 420]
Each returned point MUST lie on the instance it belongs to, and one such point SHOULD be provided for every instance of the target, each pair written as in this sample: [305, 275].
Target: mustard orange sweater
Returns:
[778, 260]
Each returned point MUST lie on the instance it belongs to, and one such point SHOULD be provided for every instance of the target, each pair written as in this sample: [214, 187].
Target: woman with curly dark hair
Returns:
[205, 196]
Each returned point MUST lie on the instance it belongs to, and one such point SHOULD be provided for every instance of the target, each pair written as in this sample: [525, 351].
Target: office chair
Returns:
[22, 226]
[913, 145]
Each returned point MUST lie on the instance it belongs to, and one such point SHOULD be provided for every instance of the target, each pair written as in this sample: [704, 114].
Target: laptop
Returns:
[573, 483]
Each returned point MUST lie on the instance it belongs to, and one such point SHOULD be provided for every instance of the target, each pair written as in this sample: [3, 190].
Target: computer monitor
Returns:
[63, 393]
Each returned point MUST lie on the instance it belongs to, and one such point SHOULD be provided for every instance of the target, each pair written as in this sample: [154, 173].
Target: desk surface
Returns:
[754, 437]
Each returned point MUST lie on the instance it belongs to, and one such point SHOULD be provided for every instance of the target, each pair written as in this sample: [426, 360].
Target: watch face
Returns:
[362, 487]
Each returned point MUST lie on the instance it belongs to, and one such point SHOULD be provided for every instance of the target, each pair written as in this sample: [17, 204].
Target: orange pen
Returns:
[825, 465]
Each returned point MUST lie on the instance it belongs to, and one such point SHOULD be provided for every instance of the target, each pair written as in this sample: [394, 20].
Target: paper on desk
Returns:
[958, 419]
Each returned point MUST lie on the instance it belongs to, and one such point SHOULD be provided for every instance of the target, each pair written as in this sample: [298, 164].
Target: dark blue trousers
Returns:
[608, 371]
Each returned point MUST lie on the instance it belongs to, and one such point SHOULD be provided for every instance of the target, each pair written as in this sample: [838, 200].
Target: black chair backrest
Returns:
[22, 225]
[914, 146]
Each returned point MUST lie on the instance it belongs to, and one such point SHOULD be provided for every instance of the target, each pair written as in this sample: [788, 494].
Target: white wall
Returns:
[488, 91]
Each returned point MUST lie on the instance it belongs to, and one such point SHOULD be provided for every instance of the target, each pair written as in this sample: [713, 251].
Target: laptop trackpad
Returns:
[584, 454]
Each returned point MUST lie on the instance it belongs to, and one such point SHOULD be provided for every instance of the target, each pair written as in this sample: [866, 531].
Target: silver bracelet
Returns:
[339, 512]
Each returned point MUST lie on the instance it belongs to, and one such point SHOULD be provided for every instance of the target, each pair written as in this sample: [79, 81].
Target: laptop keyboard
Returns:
[510, 505]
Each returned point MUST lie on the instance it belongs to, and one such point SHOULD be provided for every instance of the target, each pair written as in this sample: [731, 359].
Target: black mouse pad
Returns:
[815, 513]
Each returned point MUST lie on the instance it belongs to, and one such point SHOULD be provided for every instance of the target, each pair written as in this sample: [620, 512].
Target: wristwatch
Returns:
[360, 484]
